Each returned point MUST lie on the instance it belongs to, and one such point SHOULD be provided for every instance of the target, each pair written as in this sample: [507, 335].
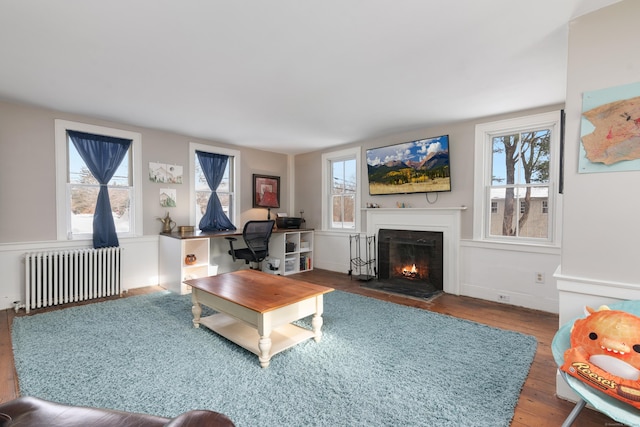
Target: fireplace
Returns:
[410, 262]
[443, 220]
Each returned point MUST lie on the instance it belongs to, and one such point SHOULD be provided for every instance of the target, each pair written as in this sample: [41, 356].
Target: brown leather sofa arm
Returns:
[34, 412]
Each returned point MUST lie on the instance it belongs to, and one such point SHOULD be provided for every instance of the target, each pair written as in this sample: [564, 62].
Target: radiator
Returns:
[61, 277]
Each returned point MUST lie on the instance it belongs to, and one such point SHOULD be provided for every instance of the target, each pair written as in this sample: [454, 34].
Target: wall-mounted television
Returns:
[420, 166]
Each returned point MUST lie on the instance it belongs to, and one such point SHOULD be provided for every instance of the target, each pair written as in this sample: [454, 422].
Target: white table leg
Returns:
[265, 323]
[265, 351]
[196, 310]
[316, 323]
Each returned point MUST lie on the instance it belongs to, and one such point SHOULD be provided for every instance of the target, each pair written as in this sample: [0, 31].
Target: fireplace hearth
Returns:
[410, 263]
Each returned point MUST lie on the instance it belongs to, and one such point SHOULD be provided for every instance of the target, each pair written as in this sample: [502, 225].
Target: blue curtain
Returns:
[213, 166]
[103, 155]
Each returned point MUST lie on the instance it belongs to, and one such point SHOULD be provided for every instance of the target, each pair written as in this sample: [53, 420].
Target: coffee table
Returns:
[255, 310]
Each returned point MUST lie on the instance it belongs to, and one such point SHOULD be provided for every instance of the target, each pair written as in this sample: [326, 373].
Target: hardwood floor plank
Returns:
[537, 406]
[8, 377]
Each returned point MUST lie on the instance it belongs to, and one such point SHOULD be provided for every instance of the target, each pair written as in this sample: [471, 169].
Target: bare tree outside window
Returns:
[520, 180]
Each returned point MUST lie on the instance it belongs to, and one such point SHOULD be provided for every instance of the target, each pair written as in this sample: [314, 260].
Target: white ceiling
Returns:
[286, 75]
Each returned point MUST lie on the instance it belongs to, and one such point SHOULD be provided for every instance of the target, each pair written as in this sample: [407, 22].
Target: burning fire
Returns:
[410, 271]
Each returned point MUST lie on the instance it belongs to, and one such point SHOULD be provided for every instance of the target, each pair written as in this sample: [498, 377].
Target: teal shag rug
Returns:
[378, 364]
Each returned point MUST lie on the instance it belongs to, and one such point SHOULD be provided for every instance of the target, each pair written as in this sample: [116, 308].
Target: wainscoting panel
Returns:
[508, 273]
[485, 272]
[139, 264]
[331, 251]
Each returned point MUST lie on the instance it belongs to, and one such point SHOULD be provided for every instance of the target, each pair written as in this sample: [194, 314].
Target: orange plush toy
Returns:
[605, 353]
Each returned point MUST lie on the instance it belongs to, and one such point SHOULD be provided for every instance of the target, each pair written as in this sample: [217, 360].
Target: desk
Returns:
[614, 408]
[202, 234]
[174, 247]
[255, 310]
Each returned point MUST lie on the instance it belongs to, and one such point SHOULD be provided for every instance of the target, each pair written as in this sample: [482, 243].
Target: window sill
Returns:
[89, 237]
[548, 249]
[336, 232]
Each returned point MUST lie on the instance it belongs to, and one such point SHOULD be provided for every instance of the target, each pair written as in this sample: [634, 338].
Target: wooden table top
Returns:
[258, 291]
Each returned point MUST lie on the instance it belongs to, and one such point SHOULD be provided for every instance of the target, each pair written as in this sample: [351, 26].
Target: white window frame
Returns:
[63, 199]
[483, 157]
[327, 159]
[235, 191]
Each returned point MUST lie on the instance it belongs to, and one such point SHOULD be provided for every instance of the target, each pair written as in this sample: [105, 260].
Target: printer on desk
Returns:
[288, 222]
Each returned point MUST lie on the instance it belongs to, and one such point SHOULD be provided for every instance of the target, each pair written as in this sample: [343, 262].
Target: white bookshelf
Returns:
[294, 249]
[172, 266]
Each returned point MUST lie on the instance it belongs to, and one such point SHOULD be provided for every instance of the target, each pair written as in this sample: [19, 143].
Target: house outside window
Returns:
[77, 189]
[341, 190]
[516, 180]
[227, 191]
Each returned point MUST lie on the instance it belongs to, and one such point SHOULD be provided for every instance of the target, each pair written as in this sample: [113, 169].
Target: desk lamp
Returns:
[269, 200]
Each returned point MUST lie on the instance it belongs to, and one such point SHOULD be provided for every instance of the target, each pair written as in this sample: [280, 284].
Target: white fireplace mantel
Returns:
[445, 220]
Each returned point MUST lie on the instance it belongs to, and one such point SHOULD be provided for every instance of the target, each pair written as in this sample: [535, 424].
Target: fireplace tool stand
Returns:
[363, 268]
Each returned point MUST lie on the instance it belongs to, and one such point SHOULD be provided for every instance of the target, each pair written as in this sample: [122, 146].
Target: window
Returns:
[227, 191]
[341, 190]
[77, 188]
[523, 206]
[516, 176]
[343, 194]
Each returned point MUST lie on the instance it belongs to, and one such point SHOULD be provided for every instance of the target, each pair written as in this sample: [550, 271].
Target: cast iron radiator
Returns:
[60, 277]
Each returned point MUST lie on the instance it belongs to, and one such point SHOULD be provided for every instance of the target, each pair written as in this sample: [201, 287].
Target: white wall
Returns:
[28, 193]
[496, 271]
[487, 271]
[27, 173]
[600, 224]
[331, 251]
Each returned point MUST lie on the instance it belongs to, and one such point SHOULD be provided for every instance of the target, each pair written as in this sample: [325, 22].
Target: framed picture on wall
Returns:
[266, 191]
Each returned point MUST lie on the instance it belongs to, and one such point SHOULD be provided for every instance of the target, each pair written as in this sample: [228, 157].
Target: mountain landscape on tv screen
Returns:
[409, 168]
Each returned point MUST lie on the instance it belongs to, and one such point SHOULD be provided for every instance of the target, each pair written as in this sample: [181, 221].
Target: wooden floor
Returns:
[537, 406]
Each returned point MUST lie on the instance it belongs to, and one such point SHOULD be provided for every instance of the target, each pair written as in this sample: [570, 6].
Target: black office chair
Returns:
[256, 236]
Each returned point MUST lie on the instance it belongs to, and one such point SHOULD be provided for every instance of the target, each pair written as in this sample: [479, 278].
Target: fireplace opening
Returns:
[410, 262]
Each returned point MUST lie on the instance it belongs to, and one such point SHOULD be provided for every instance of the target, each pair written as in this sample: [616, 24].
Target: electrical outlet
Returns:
[503, 298]
[539, 277]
